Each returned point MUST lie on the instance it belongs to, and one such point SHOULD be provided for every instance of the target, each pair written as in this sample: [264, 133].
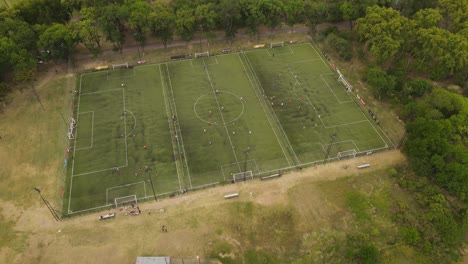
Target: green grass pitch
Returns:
[192, 123]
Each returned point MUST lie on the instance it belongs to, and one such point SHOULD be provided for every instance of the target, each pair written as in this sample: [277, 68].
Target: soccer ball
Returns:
[122, 84]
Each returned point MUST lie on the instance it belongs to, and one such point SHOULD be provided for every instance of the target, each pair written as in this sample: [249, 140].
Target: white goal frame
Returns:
[202, 54]
[240, 176]
[71, 128]
[276, 44]
[342, 79]
[130, 199]
[118, 66]
[347, 154]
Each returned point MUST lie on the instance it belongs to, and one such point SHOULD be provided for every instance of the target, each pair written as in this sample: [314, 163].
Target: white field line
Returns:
[334, 143]
[339, 101]
[263, 108]
[304, 61]
[258, 170]
[92, 129]
[125, 185]
[195, 66]
[385, 143]
[177, 120]
[221, 113]
[125, 127]
[289, 53]
[326, 65]
[134, 123]
[170, 127]
[74, 146]
[89, 209]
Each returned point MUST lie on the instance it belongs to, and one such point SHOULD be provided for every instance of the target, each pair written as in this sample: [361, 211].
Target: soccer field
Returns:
[194, 123]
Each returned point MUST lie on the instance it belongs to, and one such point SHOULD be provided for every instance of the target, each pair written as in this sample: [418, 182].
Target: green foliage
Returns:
[427, 18]
[340, 45]
[229, 16]
[411, 236]
[162, 22]
[112, 19]
[139, 21]
[43, 11]
[253, 256]
[393, 172]
[185, 23]
[60, 40]
[88, 31]
[360, 249]
[382, 84]
[384, 31]
[416, 88]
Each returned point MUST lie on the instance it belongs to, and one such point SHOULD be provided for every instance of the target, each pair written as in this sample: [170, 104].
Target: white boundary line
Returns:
[334, 143]
[339, 101]
[170, 127]
[92, 129]
[263, 108]
[177, 120]
[221, 113]
[125, 185]
[304, 61]
[125, 127]
[289, 53]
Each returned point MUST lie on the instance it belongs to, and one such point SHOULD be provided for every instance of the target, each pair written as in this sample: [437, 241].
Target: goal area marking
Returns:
[121, 77]
[347, 154]
[122, 201]
[92, 129]
[123, 186]
[212, 63]
[281, 54]
[224, 168]
[201, 54]
[241, 176]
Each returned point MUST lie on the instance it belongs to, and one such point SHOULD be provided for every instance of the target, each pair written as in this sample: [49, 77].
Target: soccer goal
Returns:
[276, 44]
[202, 54]
[242, 176]
[342, 79]
[347, 154]
[71, 128]
[120, 66]
[126, 200]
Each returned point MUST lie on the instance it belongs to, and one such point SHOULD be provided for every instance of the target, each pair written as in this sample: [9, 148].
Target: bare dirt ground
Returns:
[193, 220]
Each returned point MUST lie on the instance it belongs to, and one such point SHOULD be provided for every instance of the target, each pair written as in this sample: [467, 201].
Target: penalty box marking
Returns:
[92, 129]
[125, 185]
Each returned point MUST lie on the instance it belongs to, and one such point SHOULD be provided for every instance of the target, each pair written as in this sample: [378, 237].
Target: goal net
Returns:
[120, 66]
[241, 176]
[342, 80]
[276, 44]
[126, 200]
[71, 128]
[347, 154]
[202, 54]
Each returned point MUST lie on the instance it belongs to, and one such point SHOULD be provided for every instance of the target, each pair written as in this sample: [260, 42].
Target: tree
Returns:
[162, 22]
[112, 19]
[354, 9]
[139, 21]
[59, 40]
[293, 12]
[340, 45]
[384, 31]
[455, 14]
[272, 11]
[315, 13]
[20, 32]
[185, 23]
[444, 52]
[427, 18]
[88, 31]
[381, 83]
[229, 16]
[14, 58]
[43, 11]
[253, 16]
[206, 18]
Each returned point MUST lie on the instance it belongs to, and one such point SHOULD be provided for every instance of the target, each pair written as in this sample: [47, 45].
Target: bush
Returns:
[340, 45]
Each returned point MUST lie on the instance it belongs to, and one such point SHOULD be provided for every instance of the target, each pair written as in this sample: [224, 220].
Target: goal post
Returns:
[120, 66]
[276, 44]
[202, 54]
[347, 154]
[241, 176]
[342, 80]
[126, 200]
